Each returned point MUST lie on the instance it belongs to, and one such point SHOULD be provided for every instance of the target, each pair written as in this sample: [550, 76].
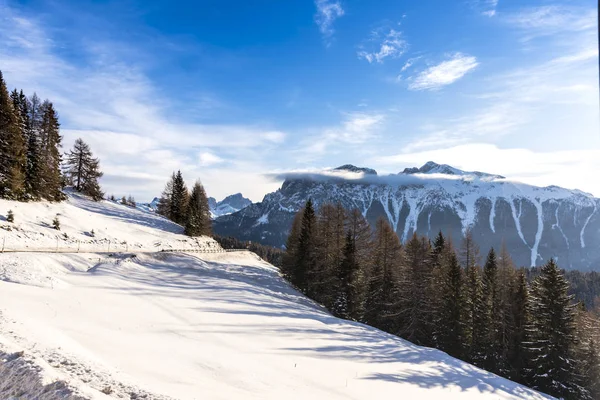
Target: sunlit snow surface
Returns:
[204, 326]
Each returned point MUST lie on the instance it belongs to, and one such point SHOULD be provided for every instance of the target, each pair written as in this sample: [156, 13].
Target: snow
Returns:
[538, 234]
[181, 326]
[559, 228]
[115, 227]
[584, 226]
[493, 215]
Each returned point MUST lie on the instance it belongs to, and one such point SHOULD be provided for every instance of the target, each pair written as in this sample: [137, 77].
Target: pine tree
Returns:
[590, 367]
[83, 170]
[179, 200]
[324, 277]
[469, 251]
[552, 333]
[476, 329]
[503, 318]
[347, 295]
[164, 203]
[361, 237]
[50, 154]
[382, 301]
[306, 257]
[34, 179]
[517, 348]
[450, 327]
[288, 263]
[417, 305]
[12, 148]
[198, 214]
[436, 258]
[491, 313]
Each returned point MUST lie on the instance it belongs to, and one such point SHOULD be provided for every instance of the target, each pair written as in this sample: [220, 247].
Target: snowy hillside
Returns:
[90, 226]
[181, 326]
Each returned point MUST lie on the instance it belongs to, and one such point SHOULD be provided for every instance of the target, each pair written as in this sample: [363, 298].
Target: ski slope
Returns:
[182, 326]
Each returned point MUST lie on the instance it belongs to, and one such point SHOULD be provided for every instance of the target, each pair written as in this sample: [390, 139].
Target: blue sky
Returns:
[235, 92]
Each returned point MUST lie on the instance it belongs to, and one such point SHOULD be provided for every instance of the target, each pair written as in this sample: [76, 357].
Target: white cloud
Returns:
[126, 120]
[444, 73]
[273, 136]
[327, 12]
[207, 159]
[489, 7]
[393, 46]
[572, 169]
[355, 129]
[549, 20]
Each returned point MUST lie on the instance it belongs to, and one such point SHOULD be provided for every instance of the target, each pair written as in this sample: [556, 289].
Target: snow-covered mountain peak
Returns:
[353, 168]
[431, 167]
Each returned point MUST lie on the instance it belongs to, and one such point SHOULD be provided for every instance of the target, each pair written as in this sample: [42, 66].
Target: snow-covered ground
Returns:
[208, 326]
[90, 226]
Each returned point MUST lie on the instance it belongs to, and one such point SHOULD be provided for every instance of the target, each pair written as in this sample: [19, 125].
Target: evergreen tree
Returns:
[324, 276]
[306, 257]
[517, 348]
[436, 256]
[491, 316]
[450, 328]
[50, 154]
[198, 214]
[382, 302]
[417, 305]
[590, 366]
[503, 318]
[552, 335]
[83, 170]
[179, 200]
[361, 237]
[476, 330]
[289, 260]
[347, 300]
[164, 203]
[12, 147]
[34, 180]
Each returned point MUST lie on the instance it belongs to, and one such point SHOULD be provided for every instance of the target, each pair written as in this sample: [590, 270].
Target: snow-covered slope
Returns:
[90, 226]
[181, 326]
[536, 223]
[222, 327]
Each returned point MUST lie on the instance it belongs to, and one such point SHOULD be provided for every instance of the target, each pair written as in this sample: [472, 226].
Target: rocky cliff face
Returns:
[535, 223]
[229, 205]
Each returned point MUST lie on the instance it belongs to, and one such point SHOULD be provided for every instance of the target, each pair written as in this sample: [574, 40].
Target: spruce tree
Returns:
[50, 154]
[198, 214]
[12, 148]
[476, 330]
[450, 328]
[382, 300]
[417, 305]
[179, 200]
[436, 259]
[346, 300]
[34, 172]
[492, 313]
[83, 170]
[289, 260]
[552, 335]
[324, 277]
[164, 203]
[306, 257]
[517, 348]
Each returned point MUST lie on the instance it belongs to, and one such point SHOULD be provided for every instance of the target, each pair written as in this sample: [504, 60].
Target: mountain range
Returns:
[535, 223]
[228, 205]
